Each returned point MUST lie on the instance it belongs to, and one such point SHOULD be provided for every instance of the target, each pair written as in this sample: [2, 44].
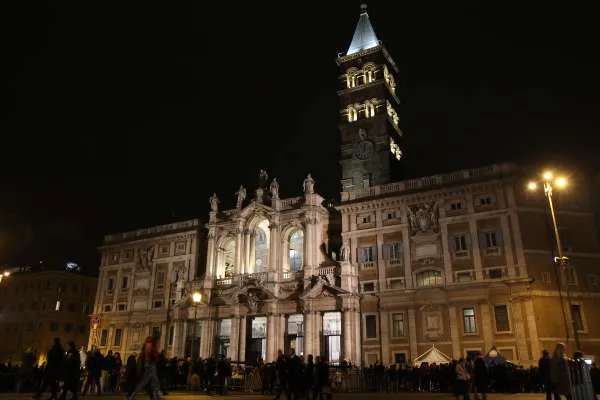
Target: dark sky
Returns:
[119, 115]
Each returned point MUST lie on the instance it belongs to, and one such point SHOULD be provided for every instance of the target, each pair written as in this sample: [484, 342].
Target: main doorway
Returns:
[295, 334]
[256, 339]
[331, 345]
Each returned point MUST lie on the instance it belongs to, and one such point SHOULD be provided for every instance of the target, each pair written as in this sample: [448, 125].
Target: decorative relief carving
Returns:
[141, 292]
[423, 218]
[433, 322]
[143, 258]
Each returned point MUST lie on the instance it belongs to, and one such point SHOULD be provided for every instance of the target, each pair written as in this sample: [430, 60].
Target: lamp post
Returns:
[4, 275]
[550, 183]
[196, 299]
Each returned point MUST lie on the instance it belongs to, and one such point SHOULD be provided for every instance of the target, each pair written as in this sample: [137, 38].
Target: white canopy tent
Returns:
[432, 356]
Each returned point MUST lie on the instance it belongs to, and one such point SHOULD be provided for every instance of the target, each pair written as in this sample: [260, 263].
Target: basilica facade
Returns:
[427, 269]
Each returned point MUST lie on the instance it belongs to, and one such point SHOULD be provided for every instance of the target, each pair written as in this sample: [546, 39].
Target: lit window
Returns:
[501, 318]
[429, 278]
[389, 79]
[397, 325]
[395, 149]
[351, 78]
[352, 114]
[369, 109]
[296, 251]
[469, 320]
[369, 73]
[392, 114]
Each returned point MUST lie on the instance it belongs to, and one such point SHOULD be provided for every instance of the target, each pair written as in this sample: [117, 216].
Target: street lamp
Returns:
[4, 275]
[551, 182]
[196, 299]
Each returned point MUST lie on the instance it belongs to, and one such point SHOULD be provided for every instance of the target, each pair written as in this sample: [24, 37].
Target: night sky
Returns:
[121, 115]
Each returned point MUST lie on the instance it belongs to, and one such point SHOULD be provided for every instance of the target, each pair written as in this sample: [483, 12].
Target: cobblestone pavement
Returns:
[337, 396]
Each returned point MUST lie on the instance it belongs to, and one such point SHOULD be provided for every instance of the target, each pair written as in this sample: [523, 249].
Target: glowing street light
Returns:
[550, 182]
[197, 297]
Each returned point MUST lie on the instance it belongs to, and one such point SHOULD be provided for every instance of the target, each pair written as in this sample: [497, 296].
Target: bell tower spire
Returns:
[371, 138]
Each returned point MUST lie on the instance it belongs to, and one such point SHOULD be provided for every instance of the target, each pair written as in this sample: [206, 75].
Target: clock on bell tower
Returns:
[371, 139]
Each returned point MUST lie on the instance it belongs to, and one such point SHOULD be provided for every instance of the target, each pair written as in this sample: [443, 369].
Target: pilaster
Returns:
[454, 335]
[243, 334]
[476, 250]
[234, 340]
[412, 334]
[384, 336]
[486, 326]
[534, 340]
[508, 249]
[520, 334]
[446, 252]
[347, 334]
[381, 273]
[271, 337]
[408, 281]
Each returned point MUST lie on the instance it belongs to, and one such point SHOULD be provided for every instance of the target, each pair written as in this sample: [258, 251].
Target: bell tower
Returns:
[371, 139]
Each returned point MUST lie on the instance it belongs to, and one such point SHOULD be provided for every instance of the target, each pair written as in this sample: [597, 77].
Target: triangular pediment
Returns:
[255, 208]
[322, 288]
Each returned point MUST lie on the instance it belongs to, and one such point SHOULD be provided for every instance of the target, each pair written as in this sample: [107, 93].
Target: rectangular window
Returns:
[491, 241]
[157, 304]
[546, 277]
[124, 283]
[368, 287]
[461, 248]
[393, 253]
[397, 325]
[469, 320]
[103, 337]
[110, 285]
[371, 326]
[577, 317]
[570, 275]
[53, 326]
[156, 332]
[501, 317]
[107, 308]
[485, 201]
[160, 280]
[122, 307]
[118, 336]
[171, 334]
[366, 254]
[456, 206]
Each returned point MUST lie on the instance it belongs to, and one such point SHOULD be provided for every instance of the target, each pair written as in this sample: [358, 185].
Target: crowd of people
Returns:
[291, 375]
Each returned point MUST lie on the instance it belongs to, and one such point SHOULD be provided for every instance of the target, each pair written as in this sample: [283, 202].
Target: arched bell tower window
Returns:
[352, 114]
[369, 109]
[369, 73]
[296, 251]
[392, 114]
[351, 76]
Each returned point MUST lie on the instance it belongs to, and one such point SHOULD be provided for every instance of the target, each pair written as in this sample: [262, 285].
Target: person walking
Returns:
[147, 362]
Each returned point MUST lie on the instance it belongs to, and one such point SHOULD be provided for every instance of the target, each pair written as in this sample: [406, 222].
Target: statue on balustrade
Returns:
[263, 178]
[241, 196]
[274, 189]
[308, 185]
[214, 202]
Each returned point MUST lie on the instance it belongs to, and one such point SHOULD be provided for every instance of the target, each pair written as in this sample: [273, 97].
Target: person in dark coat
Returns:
[131, 374]
[480, 377]
[545, 375]
[72, 372]
[54, 365]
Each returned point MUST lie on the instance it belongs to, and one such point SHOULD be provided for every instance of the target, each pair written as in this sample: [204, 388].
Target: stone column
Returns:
[234, 340]
[271, 338]
[164, 336]
[308, 332]
[534, 339]
[206, 338]
[446, 252]
[384, 336]
[273, 245]
[407, 259]
[486, 326]
[516, 229]
[282, 332]
[246, 255]
[347, 334]
[381, 263]
[508, 250]
[252, 254]
[476, 250]
[242, 346]
[124, 338]
[317, 331]
[211, 252]
[175, 346]
[353, 249]
[454, 335]
[412, 334]
[239, 267]
[520, 335]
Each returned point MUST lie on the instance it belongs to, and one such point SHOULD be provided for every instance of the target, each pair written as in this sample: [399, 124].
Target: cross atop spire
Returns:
[364, 35]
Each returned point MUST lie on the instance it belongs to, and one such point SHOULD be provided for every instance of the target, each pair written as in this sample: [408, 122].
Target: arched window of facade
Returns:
[369, 73]
[226, 259]
[369, 109]
[392, 114]
[351, 78]
[296, 251]
[429, 278]
[352, 114]
[261, 250]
